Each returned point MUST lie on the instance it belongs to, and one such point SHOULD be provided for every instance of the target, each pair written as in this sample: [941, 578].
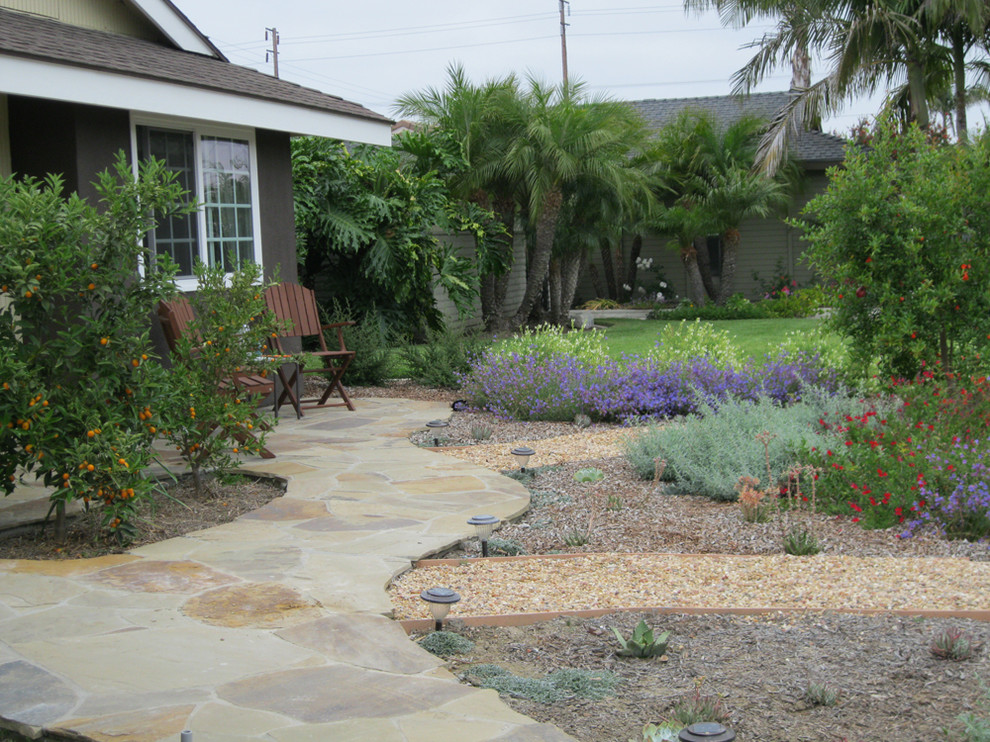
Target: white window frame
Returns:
[199, 129]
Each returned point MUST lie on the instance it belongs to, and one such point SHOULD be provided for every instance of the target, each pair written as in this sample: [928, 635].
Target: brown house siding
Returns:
[278, 228]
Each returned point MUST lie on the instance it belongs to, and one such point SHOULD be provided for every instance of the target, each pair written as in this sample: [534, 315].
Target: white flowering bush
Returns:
[686, 341]
[551, 341]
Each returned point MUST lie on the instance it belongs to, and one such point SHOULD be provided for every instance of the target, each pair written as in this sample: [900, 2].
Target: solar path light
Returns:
[522, 455]
[706, 731]
[433, 425]
[483, 526]
[440, 600]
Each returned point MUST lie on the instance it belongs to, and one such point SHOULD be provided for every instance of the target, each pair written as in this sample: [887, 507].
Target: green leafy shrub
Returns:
[903, 232]
[79, 402]
[743, 309]
[660, 733]
[444, 359]
[549, 342]
[642, 642]
[805, 302]
[210, 420]
[710, 452]
[686, 341]
[446, 643]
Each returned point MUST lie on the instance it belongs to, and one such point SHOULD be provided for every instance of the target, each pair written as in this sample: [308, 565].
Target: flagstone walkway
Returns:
[272, 627]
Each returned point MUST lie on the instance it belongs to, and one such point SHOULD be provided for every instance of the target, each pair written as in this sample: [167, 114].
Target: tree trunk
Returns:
[60, 522]
[606, 250]
[801, 67]
[596, 281]
[959, 75]
[546, 225]
[917, 91]
[696, 289]
[705, 266]
[730, 257]
[634, 252]
[556, 311]
[570, 273]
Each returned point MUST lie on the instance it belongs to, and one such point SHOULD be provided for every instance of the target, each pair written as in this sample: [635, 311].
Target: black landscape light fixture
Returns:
[706, 731]
[440, 600]
[522, 455]
[433, 425]
[483, 526]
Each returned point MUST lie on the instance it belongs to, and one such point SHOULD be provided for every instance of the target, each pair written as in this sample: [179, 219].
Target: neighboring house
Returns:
[81, 80]
[766, 243]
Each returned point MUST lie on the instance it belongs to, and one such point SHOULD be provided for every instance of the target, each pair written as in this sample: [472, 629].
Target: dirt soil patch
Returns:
[177, 511]
[890, 686]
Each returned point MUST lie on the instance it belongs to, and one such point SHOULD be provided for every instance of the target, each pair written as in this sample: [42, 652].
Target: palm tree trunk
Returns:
[705, 266]
[546, 226]
[696, 289]
[556, 311]
[917, 91]
[730, 256]
[606, 251]
[571, 270]
[959, 75]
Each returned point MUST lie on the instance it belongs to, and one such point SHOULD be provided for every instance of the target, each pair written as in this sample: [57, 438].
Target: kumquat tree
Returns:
[78, 381]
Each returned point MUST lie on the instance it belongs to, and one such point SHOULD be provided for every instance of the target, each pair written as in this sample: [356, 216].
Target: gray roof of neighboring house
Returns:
[32, 37]
[811, 146]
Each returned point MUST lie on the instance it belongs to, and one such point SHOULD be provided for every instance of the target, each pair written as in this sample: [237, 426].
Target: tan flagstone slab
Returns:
[285, 468]
[259, 564]
[153, 576]
[235, 721]
[369, 522]
[140, 726]
[337, 693]
[65, 567]
[353, 583]
[535, 733]
[347, 640]
[31, 590]
[288, 508]
[440, 484]
[110, 704]
[406, 545]
[256, 605]
[190, 656]
[129, 604]
[429, 726]
[33, 696]
[361, 730]
[62, 620]
[241, 531]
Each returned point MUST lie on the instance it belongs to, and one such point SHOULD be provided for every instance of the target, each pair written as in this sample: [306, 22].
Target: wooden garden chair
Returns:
[175, 317]
[296, 306]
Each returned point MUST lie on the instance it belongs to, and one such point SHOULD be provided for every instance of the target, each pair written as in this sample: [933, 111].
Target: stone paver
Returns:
[273, 627]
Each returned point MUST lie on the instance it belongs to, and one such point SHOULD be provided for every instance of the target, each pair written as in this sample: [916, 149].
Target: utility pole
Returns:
[274, 50]
[563, 38]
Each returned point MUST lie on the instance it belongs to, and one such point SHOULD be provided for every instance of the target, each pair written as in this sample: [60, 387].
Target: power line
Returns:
[419, 51]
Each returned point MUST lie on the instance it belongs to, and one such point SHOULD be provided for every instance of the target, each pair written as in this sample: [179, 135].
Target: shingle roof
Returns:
[811, 146]
[31, 37]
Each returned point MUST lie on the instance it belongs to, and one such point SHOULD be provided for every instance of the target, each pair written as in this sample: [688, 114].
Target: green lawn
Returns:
[755, 337]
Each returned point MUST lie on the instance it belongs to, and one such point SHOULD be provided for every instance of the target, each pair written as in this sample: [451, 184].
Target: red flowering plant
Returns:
[879, 468]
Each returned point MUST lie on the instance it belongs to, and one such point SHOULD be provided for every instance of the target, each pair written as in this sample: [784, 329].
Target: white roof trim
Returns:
[175, 26]
[38, 79]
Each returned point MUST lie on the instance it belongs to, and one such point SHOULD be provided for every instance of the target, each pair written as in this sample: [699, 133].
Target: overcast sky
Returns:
[373, 52]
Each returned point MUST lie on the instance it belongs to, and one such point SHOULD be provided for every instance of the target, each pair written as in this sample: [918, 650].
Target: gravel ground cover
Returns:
[763, 670]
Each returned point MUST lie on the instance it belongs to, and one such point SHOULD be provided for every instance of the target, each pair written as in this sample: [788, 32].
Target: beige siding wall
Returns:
[766, 243]
[102, 15]
[517, 284]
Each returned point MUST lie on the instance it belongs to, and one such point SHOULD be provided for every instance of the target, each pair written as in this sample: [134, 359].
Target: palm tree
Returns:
[870, 45]
[566, 137]
[482, 119]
